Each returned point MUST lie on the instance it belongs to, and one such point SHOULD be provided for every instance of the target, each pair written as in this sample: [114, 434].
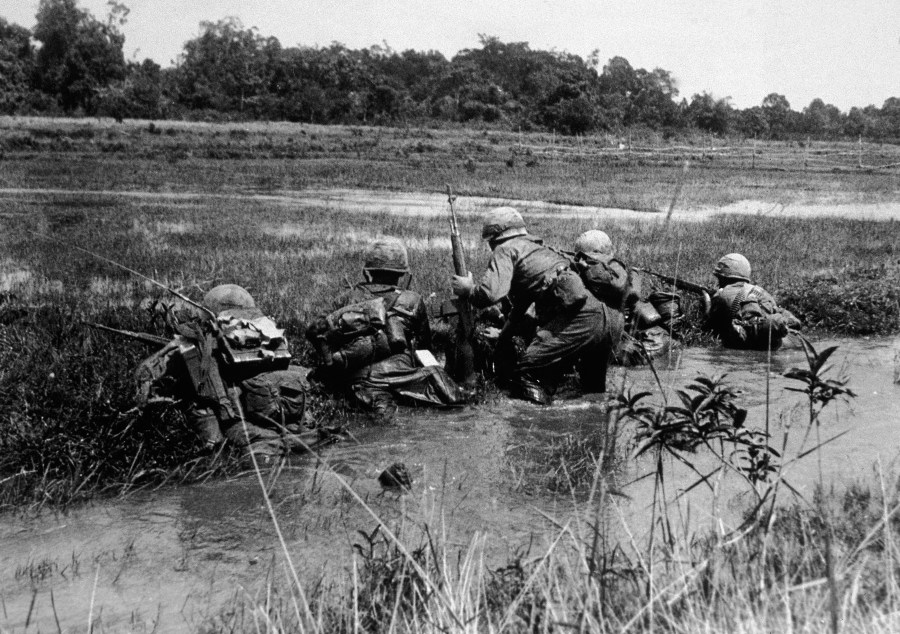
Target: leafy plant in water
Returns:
[706, 416]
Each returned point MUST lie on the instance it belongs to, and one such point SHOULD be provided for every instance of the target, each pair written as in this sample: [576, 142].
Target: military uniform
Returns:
[368, 346]
[744, 315]
[233, 380]
[571, 326]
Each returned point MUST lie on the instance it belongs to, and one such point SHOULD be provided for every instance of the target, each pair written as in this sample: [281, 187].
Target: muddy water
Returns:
[170, 560]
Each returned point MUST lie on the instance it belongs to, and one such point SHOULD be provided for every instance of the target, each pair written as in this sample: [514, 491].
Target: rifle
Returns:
[461, 359]
[679, 283]
[143, 337]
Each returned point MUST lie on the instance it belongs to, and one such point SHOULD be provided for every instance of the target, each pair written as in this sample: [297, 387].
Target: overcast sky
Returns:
[847, 52]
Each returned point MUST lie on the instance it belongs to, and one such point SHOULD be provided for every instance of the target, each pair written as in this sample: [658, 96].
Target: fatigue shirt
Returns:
[733, 301]
[738, 307]
[521, 268]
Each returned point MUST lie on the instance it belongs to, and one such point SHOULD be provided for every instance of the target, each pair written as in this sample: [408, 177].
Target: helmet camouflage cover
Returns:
[228, 296]
[733, 266]
[387, 254]
[594, 241]
[502, 222]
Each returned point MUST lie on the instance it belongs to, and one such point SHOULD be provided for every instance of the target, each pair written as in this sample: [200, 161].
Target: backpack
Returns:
[355, 320]
[252, 341]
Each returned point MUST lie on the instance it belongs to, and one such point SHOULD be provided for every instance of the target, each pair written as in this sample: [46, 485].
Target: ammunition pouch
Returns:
[395, 332]
[406, 304]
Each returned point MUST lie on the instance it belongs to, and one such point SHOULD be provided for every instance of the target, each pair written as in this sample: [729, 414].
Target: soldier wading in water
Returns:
[562, 323]
[232, 378]
[376, 346]
[744, 315]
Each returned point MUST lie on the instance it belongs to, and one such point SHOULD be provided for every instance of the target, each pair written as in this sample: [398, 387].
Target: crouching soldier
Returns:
[744, 315]
[548, 298]
[377, 346]
[646, 333]
[232, 378]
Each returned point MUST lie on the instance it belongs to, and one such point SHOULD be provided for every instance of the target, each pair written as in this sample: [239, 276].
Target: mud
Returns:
[171, 560]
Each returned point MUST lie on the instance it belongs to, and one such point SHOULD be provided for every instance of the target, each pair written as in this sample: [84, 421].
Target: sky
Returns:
[846, 52]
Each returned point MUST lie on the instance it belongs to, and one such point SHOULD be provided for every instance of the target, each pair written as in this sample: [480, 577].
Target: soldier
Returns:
[612, 282]
[744, 315]
[570, 325]
[603, 274]
[377, 346]
[232, 378]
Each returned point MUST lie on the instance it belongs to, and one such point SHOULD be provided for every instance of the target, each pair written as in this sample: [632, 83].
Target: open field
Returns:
[196, 205]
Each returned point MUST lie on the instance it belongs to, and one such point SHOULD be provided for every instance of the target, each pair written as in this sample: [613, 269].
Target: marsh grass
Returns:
[66, 437]
[841, 277]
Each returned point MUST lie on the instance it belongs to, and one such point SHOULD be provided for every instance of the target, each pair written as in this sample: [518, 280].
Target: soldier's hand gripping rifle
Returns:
[461, 359]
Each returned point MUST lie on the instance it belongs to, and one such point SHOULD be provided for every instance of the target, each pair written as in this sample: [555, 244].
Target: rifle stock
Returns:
[461, 358]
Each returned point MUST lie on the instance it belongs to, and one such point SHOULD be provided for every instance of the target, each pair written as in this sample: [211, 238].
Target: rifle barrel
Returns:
[678, 282]
[144, 337]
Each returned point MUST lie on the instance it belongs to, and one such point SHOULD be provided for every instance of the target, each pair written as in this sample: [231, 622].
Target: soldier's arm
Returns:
[496, 282]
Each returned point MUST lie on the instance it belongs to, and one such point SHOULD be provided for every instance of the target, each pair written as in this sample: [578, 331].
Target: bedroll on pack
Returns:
[568, 289]
[253, 341]
[355, 320]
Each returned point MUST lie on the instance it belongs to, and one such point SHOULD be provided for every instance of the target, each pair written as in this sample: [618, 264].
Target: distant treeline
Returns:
[72, 63]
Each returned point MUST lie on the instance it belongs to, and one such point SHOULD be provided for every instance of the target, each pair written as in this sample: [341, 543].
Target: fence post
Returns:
[859, 153]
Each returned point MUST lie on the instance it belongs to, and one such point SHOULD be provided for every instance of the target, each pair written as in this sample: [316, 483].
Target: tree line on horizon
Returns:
[73, 63]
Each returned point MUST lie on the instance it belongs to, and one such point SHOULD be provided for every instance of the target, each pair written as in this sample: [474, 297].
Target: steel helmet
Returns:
[594, 241]
[502, 222]
[228, 296]
[387, 254]
[733, 266]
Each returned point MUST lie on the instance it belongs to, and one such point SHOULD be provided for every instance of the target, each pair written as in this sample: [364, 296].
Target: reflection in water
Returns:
[171, 559]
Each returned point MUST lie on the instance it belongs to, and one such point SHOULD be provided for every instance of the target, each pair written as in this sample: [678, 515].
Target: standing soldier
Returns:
[571, 326]
[744, 315]
[232, 378]
[378, 346]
